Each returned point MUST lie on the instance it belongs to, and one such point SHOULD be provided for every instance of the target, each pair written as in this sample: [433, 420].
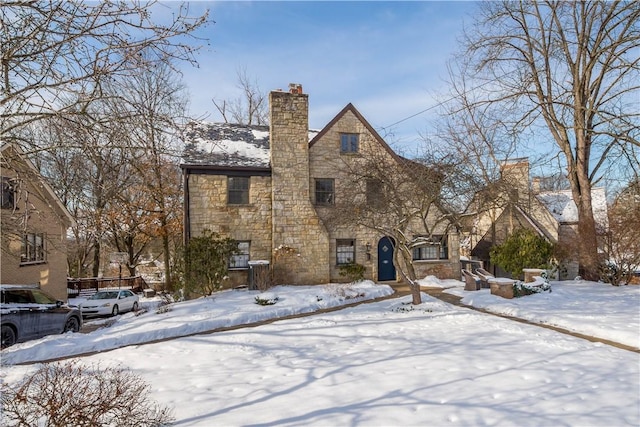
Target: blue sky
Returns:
[387, 58]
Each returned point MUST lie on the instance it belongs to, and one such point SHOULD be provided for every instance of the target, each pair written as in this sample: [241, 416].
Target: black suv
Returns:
[27, 313]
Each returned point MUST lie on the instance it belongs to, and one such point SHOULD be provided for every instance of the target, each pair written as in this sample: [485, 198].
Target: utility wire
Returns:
[437, 104]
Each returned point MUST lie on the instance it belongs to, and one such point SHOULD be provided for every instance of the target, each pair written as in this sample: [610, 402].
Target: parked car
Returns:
[110, 303]
[28, 313]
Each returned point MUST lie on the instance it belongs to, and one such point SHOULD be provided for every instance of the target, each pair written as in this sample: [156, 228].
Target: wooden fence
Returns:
[88, 286]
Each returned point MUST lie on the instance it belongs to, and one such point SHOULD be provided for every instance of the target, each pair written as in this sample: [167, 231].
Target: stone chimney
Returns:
[289, 144]
[295, 221]
[515, 173]
[536, 184]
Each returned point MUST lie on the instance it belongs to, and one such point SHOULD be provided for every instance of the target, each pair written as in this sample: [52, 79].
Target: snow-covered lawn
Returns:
[381, 363]
[588, 308]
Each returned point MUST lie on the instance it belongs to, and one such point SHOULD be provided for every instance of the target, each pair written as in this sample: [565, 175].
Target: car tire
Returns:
[72, 324]
[115, 310]
[9, 337]
[135, 306]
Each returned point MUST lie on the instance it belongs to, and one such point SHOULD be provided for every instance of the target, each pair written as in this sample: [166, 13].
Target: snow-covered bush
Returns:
[266, 298]
[541, 284]
[165, 303]
[343, 291]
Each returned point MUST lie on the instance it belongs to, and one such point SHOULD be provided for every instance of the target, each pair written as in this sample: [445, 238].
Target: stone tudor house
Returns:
[270, 188]
[34, 226]
[551, 214]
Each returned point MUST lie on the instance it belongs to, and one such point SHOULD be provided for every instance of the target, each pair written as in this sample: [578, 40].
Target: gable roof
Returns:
[350, 108]
[40, 183]
[236, 146]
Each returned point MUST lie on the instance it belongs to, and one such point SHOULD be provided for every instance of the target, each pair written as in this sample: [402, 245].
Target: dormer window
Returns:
[349, 142]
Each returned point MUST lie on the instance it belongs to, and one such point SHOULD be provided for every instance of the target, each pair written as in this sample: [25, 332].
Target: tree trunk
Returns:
[587, 239]
[168, 285]
[408, 272]
[96, 259]
[587, 243]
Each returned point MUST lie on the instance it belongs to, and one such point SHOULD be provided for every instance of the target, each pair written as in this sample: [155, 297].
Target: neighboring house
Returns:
[34, 226]
[551, 214]
[272, 189]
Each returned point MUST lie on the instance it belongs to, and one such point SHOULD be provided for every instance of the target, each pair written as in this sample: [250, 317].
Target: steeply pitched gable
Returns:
[12, 154]
[350, 108]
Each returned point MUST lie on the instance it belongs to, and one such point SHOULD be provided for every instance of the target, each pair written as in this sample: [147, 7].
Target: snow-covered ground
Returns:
[381, 363]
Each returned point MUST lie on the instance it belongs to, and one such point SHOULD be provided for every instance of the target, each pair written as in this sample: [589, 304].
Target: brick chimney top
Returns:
[295, 88]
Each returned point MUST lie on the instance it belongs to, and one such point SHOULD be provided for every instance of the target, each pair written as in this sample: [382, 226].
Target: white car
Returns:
[109, 303]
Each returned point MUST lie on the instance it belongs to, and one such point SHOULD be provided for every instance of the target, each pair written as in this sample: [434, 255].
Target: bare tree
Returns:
[56, 55]
[392, 196]
[155, 105]
[248, 109]
[66, 170]
[623, 247]
[474, 142]
[572, 69]
[70, 393]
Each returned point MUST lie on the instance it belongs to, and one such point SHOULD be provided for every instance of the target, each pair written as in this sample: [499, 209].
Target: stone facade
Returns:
[295, 221]
[551, 215]
[36, 212]
[283, 221]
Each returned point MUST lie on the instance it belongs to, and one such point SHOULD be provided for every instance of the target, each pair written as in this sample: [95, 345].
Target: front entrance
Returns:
[386, 269]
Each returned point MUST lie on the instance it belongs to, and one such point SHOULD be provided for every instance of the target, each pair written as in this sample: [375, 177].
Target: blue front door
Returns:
[386, 270]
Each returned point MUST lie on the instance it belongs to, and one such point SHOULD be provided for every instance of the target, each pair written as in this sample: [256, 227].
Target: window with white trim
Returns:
[345, 251]
[241, 258]
[437, 249]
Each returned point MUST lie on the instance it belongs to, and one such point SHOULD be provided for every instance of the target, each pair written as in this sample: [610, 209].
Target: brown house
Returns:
[34, 226]
[274, 188]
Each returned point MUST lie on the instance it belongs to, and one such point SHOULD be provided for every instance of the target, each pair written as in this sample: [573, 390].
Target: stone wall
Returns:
[295, 222]
[209, 210]
[327, 161]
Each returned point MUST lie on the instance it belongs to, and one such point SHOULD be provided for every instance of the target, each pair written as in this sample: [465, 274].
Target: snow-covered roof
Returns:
[561, 205]
[227, 145]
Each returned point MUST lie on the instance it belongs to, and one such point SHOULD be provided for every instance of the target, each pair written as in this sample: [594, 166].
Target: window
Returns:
[345, 251]
[8, 193]
[33, 248]
[238, 190]
[375, 196]
[349, 142]
[436, 250]
[324, 192]
[241, 258]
